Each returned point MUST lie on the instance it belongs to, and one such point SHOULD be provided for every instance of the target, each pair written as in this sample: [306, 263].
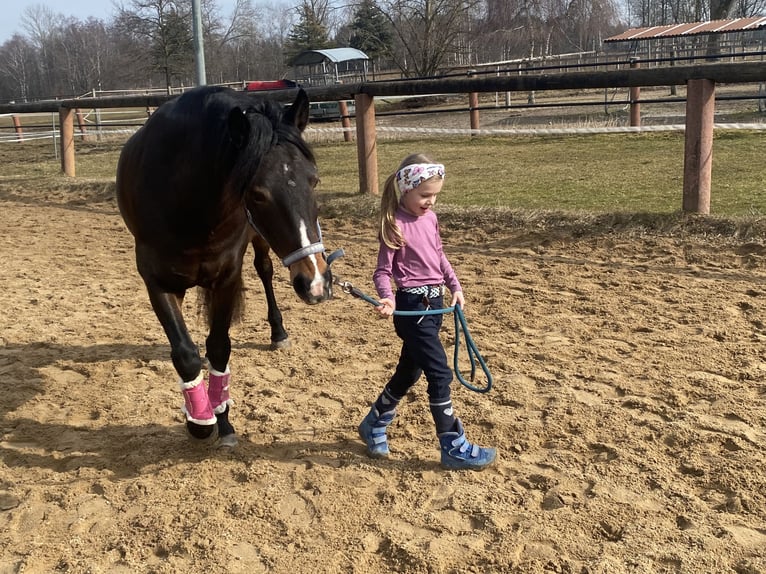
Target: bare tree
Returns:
[224, 35]
[85, 53]
[427, 32]
[749, 8]
[248, 44]
[148, 42]
[17, 60]
[519, 29]
[580, 25]
[662, 12]
[238, 24]
[41, 25]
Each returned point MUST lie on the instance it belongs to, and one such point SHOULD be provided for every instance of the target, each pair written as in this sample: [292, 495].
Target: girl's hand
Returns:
[457, 297]
[386, 307]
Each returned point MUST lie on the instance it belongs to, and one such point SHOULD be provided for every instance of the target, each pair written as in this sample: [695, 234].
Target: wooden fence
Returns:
[700, 81]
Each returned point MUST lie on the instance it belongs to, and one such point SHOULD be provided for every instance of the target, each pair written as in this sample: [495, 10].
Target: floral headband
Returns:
[411, 176]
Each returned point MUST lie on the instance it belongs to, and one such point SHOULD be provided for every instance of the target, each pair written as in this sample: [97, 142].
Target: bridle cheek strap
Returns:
[298, 254]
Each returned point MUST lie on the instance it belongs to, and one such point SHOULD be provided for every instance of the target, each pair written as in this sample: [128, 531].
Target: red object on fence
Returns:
[263, 85]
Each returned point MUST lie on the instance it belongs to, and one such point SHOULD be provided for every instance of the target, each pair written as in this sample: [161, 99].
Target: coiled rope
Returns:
[460, 325]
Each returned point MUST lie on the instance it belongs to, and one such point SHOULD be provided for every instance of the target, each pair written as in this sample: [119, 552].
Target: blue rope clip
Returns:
[460, 324]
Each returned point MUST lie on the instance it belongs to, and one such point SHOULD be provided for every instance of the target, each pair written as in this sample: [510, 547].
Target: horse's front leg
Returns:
[223, 303]
[265, 270]
[200, 419]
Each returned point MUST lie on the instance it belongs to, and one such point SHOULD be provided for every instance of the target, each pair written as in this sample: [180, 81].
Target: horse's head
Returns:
[280, 176]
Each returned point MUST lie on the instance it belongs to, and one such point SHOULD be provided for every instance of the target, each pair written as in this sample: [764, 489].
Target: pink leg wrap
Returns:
[218, 390]
[196, 402]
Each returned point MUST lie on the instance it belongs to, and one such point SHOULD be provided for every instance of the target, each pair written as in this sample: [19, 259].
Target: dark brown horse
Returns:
[209, 173]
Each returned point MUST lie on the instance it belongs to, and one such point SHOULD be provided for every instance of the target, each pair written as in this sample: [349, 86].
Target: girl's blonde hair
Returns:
[390, 233]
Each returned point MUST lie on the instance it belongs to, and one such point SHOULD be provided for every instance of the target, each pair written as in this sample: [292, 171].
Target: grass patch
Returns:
[603, 173]
[582, 182]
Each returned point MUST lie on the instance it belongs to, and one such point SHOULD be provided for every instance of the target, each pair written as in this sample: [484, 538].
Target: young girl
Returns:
[411, 254]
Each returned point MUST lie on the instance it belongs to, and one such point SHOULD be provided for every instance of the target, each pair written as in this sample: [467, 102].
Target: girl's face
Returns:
[419, 200]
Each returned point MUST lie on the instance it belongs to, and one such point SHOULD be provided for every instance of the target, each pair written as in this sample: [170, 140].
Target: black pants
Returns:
[422, 350]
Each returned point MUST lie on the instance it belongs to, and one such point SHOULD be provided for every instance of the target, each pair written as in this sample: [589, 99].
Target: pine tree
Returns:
[173, 53]
[370, 30]
[308, 34]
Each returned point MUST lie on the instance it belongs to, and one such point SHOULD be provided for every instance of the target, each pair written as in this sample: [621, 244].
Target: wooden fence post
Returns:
[99, 134]
[673, 89]
[473, 106]
[17, 127]
[81, 124]
[345, 121]
[366, 146]
[66, 125]
[635, 94]
[698, 146]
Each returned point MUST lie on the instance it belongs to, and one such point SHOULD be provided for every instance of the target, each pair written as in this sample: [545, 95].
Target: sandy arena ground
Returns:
[628, 409]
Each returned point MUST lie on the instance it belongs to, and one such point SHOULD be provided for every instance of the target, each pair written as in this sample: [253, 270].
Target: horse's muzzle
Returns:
[315, 287]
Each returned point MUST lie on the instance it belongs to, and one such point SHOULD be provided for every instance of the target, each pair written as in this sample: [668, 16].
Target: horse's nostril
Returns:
[306, 288]
[301, 284]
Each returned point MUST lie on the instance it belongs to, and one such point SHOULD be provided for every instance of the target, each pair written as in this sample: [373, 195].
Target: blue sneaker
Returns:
[372, 430]
[457, 453]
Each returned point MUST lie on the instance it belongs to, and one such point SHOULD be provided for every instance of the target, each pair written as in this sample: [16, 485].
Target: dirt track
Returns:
[629, 411]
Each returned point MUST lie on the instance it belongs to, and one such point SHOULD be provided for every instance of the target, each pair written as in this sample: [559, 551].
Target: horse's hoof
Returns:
[200, 432]
[227, 441]
[283, 344]
[226, 436]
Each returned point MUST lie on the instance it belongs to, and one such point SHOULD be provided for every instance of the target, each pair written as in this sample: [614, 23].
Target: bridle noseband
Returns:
[298, 254]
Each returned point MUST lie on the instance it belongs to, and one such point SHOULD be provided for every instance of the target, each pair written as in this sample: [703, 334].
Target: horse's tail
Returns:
[206, 308]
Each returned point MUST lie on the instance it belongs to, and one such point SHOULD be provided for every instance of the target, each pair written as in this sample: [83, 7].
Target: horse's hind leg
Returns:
[200, 420]
[265, 270]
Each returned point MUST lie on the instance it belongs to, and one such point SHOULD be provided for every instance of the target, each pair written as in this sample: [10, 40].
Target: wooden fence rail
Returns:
[700, 81]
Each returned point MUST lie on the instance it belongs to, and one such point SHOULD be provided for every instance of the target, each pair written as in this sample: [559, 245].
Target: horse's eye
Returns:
[260, 195]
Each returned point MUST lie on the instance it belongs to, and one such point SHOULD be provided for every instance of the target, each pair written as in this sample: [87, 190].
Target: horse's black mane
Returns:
[283, 132]
[294, 137]
[268, 129]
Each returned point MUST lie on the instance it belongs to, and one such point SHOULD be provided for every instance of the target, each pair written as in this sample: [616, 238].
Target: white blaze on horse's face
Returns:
[317, 282]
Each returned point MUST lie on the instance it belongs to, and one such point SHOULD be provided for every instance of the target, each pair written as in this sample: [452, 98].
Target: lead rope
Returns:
[460, 324]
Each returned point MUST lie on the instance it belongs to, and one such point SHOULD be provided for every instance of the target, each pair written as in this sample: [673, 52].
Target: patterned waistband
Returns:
[430, 291]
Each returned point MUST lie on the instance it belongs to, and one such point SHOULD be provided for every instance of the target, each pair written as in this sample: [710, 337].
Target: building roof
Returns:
[308, 57]
[691, 29]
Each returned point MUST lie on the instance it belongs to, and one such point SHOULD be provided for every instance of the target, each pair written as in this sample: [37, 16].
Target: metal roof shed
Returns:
[711, 39]
[691, 29]
[330, 66]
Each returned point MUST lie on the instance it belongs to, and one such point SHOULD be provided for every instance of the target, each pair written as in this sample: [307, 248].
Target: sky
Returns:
[10, 16]
[10, 23]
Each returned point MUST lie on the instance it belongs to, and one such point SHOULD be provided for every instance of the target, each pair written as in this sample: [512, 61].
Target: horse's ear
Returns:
[239, 128]
[298, 113]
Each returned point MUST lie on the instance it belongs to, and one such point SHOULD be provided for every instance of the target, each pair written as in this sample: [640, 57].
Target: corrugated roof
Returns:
[691, 29]
[333, 55]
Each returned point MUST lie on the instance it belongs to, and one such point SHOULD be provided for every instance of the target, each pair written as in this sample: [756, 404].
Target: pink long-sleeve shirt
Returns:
[420, 262]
